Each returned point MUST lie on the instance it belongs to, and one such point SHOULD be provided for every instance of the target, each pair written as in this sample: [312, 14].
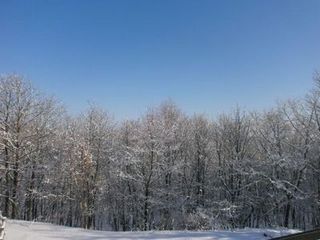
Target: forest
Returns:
[166, 170]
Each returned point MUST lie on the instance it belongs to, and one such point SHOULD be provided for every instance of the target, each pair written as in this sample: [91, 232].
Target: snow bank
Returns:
[22, 230]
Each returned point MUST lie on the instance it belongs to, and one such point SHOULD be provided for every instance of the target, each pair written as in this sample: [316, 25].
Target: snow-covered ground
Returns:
[22, 230]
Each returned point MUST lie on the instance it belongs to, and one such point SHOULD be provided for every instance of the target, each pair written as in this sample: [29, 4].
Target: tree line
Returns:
[166, 170]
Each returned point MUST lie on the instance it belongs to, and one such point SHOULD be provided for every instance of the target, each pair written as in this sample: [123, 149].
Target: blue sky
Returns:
[207, 56]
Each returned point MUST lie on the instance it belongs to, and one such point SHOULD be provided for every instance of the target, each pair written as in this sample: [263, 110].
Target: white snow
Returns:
[23, 230]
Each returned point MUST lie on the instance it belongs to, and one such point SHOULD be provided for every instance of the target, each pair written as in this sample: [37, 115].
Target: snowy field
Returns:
[22, 230]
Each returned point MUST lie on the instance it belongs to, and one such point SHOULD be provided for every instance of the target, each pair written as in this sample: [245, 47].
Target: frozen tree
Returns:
[165, 170]
[27, 121]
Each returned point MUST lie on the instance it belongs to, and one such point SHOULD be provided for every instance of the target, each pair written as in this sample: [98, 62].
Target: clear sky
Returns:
[207, 56]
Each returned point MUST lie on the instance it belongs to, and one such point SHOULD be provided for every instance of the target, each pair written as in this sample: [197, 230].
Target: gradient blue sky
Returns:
[207, 56]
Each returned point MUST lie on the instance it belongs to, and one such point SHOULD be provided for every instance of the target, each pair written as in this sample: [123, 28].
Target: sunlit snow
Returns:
[22, 230]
